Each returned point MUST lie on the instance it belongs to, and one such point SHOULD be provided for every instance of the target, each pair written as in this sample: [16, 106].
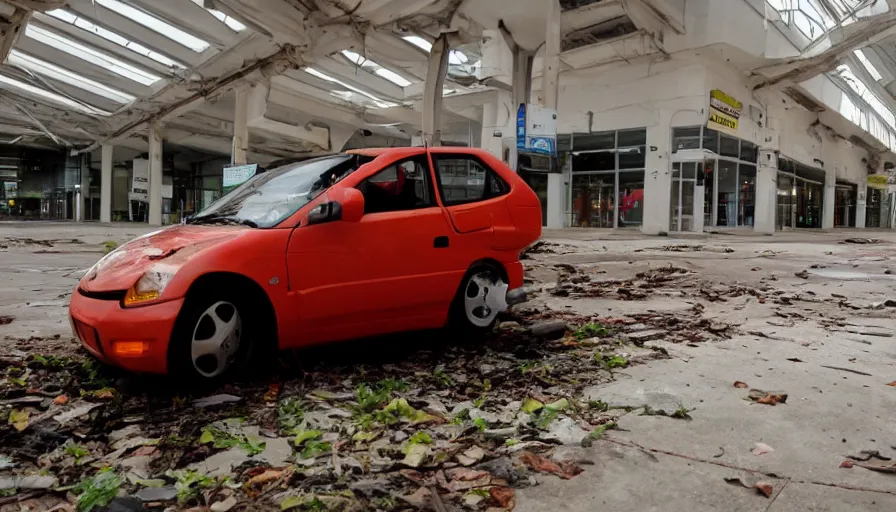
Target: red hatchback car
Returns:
[345, 246]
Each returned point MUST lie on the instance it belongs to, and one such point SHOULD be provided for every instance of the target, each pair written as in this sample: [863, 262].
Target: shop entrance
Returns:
[684, 185]
[877, 213]
[538, 181]
[800, 195]
[845, 205]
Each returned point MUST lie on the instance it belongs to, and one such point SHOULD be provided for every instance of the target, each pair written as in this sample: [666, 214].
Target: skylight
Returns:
[454, 57]
[875, 74]
[151, 22]
[234, 25]
[813, 18]
[8, 82]
[35, 65]
[377, 101]
[82, 23]
[90, 55]
[880, 132]
[389, 75]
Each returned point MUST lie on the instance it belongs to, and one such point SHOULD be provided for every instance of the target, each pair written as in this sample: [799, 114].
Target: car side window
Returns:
[402, 186]
[466, 179]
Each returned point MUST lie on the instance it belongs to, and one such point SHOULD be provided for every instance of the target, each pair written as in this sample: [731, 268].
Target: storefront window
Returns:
[726, 213]
[729, 147]
[746, 204]
[685, 138]
[608, 179]
[802, 203]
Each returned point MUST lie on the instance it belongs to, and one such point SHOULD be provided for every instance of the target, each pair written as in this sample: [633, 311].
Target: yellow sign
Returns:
[724, 112]
[878, 181]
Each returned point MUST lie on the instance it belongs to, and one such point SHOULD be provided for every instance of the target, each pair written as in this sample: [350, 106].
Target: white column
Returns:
[830, 193]
[551, 90]
[436, 70]
[106, 183]
[155, 174]
[860, 205]
[238, 155]
[658, 179]
[766, 194]
[83, 197]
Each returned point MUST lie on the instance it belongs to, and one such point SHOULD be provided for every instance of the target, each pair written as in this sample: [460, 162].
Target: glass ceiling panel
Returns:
[11, 83]
[41, 67]
[151, 22]
[85, 24]
[874, 102]
[377, 101]
[90, 55]
[813, 18]
[234, 25]
[389, 75]
[875, 74]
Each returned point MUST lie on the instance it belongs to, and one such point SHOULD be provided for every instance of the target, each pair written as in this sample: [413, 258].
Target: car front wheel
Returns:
[210, 337]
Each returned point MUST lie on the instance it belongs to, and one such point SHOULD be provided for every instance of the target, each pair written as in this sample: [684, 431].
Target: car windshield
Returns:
[270, 197]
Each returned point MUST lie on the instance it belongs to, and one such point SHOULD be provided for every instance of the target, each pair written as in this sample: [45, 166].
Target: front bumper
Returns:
[99, 324]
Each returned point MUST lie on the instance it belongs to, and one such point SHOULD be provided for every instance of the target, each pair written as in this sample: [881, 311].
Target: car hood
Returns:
[169, 248]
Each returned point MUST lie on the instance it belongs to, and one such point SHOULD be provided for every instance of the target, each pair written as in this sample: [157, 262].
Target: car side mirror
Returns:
[325, 212]
[346, 205]
[352, 203]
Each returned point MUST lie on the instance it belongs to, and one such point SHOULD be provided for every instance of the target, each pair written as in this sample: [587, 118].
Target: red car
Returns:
[340, 247]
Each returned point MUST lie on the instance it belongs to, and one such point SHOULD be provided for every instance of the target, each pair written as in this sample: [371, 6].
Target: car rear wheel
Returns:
[210, 338]
[480, 299]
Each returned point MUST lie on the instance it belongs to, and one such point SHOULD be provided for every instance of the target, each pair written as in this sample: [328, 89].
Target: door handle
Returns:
[440, 242]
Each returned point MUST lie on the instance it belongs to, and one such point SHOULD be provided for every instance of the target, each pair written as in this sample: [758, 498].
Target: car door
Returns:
[385, 273]
[474, 196]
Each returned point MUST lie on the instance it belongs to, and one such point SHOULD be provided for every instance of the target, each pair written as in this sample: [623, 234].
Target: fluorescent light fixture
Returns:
[84, 24]
[454, 57]
[389, 75]
[90, 55]
[151, 22]
[234, 25]
[378, 102]
[875, 74]
[419, 42]
[8, 82]
[22, 60]
[393, 77]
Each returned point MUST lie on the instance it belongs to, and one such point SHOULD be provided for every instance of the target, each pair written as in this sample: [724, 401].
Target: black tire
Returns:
[228, 300]
[458, 319]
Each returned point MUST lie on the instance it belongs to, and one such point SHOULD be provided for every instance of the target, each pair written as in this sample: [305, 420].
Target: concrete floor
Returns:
[652, 462]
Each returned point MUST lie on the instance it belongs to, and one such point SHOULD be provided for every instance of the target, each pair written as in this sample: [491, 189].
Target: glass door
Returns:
[786, 193]
[684, 182]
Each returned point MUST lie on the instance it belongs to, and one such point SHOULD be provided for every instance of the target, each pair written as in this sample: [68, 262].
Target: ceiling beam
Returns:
[258, 106]
[10, 28]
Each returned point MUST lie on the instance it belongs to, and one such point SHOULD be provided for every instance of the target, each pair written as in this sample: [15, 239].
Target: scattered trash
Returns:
[762, 449]
[846, 464]
[543, 465]
[767, 397]
[740, 385]
[842, 369]
[795, 360]
[764, 488]
[720, 454]
[802, 274]
[212, 401]
[866, 455]
[889, 469]
[862, 241]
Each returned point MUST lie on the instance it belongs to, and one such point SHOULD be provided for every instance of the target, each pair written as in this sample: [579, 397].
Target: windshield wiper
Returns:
[224, 219]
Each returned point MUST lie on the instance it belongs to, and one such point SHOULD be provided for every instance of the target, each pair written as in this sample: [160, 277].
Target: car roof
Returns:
[410, 151]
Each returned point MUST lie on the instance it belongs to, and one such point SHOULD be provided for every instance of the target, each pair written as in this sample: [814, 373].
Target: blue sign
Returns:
[542, 145]
[521, 127]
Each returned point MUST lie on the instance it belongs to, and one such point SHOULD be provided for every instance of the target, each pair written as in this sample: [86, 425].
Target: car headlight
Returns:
[149, 287]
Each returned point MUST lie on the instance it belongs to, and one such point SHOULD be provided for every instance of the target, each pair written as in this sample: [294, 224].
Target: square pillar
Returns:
[106, 183]
[830, 193]
[766, 193]
[861, 204]
[155, 174]
[658, 180]
[240, 150]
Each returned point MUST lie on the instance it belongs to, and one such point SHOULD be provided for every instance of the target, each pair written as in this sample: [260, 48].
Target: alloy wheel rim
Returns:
[216, 339]
[484, 297]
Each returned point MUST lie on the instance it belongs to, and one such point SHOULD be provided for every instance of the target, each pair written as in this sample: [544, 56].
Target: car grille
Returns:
[113, 295]
[88, 335]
